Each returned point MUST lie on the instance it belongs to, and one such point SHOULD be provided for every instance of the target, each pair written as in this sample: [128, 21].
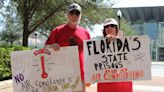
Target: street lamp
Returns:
[35, 39]
[119, 15]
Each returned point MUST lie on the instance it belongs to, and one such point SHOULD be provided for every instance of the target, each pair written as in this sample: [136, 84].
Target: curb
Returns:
[6, 84]
[157, 63]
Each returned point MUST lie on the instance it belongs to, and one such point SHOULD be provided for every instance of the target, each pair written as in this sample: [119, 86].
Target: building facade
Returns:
[155, 31]
[146, 19]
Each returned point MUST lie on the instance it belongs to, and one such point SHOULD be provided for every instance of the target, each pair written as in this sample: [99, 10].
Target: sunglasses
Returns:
[74, 12]
[111, 25]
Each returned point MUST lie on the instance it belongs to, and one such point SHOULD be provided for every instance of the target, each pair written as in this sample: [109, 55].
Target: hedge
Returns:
[5, 66]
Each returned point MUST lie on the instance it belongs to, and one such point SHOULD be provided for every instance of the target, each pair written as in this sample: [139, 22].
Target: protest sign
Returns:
[46, 70]
[116, 60]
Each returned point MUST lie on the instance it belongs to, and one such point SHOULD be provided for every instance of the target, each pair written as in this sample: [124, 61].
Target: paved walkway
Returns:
[154, 85]
[6, 86]
[158, 62]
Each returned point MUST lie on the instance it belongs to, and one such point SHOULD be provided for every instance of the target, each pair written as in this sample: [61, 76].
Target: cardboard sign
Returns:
[46, 70]
[117, 60]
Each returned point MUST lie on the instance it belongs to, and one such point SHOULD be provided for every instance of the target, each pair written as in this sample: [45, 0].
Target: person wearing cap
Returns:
[70, 34]
[111, 31]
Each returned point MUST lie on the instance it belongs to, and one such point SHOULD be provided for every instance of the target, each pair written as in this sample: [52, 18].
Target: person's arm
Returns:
[55, 46]
[88, 35]
[51, 41]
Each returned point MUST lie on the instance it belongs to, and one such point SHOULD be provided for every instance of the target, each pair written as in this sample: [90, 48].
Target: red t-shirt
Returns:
[66, 36]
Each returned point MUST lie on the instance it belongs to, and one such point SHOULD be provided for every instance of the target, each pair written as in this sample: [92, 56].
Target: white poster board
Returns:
[121, 59]
[46, 70]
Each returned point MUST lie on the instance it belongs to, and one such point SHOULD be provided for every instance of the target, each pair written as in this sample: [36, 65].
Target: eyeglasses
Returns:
[75, 12]
[111, 25]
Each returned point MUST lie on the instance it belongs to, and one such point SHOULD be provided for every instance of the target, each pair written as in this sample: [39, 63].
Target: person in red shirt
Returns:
[111, 31]
[70, 34]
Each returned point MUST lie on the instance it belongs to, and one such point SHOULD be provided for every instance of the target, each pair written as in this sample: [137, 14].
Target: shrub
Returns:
[5, 66]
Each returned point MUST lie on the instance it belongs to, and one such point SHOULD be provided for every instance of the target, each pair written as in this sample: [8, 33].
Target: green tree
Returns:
[35, 13]
[44, 15]
[126, 28]
[1, 3]
[11, 31]
[1, 12]
[93, 13]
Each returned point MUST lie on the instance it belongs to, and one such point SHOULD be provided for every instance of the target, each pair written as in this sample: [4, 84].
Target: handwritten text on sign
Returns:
[46, 70]
[117, 60]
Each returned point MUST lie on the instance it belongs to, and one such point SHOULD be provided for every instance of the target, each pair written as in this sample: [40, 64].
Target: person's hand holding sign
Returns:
[111, 37]
[88, 84]
[54, 46]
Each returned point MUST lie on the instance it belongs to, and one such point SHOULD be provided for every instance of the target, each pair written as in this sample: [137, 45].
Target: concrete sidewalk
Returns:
[7, 86]
[158, 62]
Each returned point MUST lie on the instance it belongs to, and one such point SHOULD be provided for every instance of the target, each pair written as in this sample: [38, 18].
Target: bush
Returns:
[5, 66]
